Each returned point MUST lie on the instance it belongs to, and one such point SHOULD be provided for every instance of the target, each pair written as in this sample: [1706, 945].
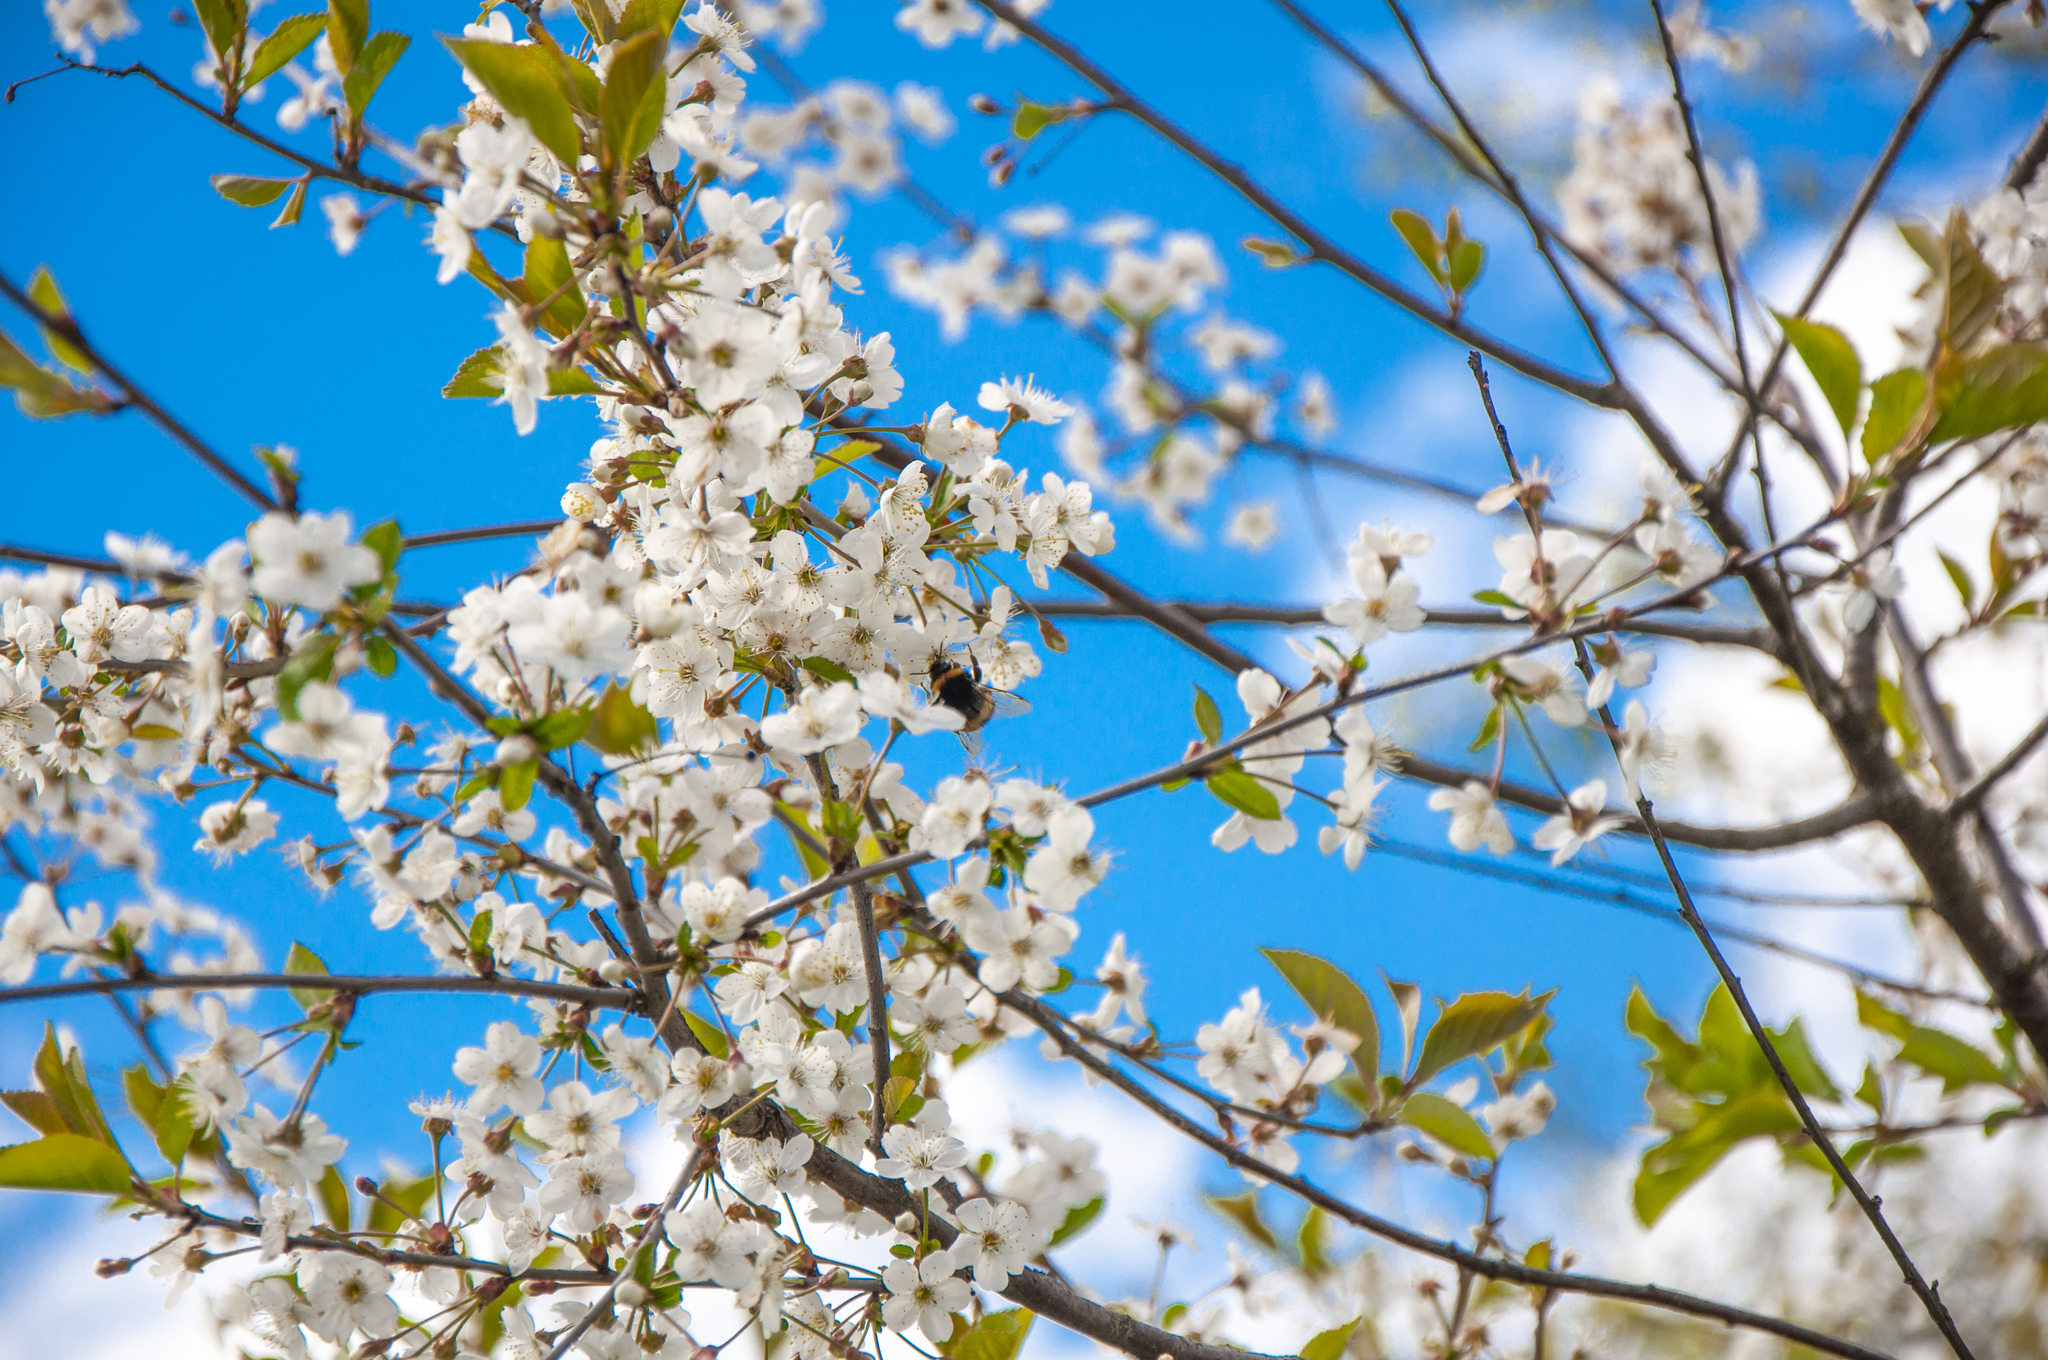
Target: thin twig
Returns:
[135, 396]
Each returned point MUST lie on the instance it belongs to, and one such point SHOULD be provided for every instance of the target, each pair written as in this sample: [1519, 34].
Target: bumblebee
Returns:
[960, 688]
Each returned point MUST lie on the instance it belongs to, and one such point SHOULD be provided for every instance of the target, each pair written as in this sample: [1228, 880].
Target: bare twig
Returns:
[135, 396]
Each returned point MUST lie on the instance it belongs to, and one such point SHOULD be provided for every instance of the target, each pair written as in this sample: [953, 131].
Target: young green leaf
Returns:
[563, 727]
[286, 41]
[519, 77]
[998, 1336]
[1895, 401]
[348, 27]
[1274, 254]
[1473, 1024]
[1330, 992]
[1448, 1123]
[635, 91]
[375, 61]
[1421, 237]
[1078, 1221]
[1243, 1210]
[1467, 259]
[1328, 1345]
[224, 22]
[1208, 721]
[42, 287]
[304, 960]
[711, 1036]
[332, 1197]
[1832, 361]
[2002, 389]
[249, 191]
[618, 726]
[1032, 119]
[1239, 790]
[294, 204]
[64, 1161]
[658, 15]
[515, 784]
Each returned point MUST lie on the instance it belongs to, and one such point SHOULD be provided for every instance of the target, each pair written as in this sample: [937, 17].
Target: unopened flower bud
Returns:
[632, 1293]
[516, 749]
[612, 970]
[112, 1266]
[981, 103]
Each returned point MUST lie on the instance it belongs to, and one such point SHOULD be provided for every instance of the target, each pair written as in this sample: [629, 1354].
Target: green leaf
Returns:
[572, 382]
[377, 58]
[36, 1109]
[42, 287]
[1957, 1062]
[294, 204]
[520, 79]
[249, 191]
[563, 727]
[1497, 598]
[1208, 721]
[42, 393]
[1895, 401]
[659, 15]
[332, 1197]
[1474, 1024]
[1330, 992]
[410, 1196]
[1241, 791]
[1874, 1014]
[223, 21]
[313, 661]
[1832, 361]
[286, 41]
[547, 271]
[1077, 1221]
[998, 1336]
[1489, 730]
[1999, 390]
[826, 668]
[1243, 1210]
[1801, 1064]
[1445, 1121]
[348, 25]
[635, 93]
[618, 726]
[61, 1074]
[382, 656]
[1672, 1166]
[1408, 1003]
[161, 1112]
[1032, 119]
[1330, 1344]
[1959, 575]
[64, 1161]
[478, 375]
[1467, 258]
[708, 1034]
[1970, 290]
[515, 784]
[386, 540]
[1421, 237]
[476, 784]
[1273, 254]
[304, 960]
[1312, 1242]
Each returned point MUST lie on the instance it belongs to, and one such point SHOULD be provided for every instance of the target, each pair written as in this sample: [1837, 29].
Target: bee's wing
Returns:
[1008, 705]
[970, 742]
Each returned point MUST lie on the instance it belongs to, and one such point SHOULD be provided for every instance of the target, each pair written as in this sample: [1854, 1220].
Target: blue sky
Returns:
[257, 337]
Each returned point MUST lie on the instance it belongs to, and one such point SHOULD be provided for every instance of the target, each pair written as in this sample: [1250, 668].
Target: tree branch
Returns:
[1512, 1272]
[603, 998]
[136, 397]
